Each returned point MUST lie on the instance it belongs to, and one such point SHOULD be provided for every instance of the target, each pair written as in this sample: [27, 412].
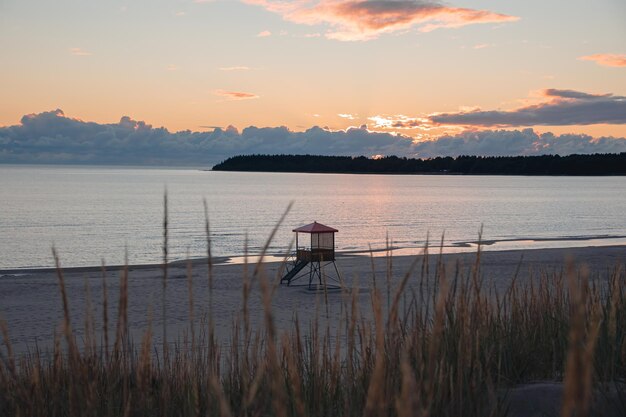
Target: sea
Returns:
[112, 215]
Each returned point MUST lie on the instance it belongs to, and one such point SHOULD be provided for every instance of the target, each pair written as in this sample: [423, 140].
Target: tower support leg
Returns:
[338, 274]
[310, 274]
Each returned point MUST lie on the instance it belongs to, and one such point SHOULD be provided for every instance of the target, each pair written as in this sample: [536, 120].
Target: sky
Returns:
[392, 76]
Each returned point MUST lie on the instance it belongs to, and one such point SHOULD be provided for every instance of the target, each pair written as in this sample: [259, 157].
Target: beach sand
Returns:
[30, 301]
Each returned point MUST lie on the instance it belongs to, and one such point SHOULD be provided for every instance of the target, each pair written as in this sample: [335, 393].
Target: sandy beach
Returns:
[30, 300]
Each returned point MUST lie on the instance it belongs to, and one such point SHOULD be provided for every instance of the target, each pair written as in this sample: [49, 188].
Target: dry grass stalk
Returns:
[105, 313]
[584, 326]
[207, 230]
[164, 281]
[67, 326]
[122, 312]
[4, 330]
[374, 405]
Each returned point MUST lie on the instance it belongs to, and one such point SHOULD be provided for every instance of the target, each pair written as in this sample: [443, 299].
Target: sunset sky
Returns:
[418, 69]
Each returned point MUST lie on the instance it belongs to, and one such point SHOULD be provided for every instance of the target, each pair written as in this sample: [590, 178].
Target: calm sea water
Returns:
[94, 213]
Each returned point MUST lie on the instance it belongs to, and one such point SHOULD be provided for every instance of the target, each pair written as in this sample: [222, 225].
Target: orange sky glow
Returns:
[413, 68]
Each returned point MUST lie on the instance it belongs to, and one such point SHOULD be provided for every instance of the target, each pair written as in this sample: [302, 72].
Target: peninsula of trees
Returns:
[596, 164]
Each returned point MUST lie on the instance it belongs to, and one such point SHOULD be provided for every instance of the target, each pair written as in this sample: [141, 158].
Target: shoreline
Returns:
[415, 173]
[274, 259]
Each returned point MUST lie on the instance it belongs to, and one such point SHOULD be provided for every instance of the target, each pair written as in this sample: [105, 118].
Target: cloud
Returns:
[606, 60]
[79, 52]
[401, 122]
[561, 108]
[517, 142]
[348, 116]
[352, 20]
[236, 95]
[264, 34]
[52, 137]
[236, 68]
[172, 67]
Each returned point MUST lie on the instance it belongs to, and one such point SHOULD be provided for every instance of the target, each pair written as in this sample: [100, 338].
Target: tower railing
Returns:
[315, 255]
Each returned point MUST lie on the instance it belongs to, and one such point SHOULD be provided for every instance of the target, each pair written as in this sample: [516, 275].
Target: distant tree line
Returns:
[596, 164]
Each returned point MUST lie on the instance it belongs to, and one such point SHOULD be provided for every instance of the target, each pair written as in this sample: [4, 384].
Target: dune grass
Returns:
[451, 347]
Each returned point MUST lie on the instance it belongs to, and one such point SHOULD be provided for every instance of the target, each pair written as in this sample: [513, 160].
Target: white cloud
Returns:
[51, 137]
[352, 20]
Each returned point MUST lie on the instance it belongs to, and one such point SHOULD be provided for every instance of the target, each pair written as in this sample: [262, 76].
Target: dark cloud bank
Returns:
[564, 108]
[52, 138]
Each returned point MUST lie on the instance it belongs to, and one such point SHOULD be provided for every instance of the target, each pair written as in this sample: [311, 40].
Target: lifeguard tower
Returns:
[318, 255]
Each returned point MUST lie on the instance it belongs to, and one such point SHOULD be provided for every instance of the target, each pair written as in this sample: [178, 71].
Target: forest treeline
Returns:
[596, 164]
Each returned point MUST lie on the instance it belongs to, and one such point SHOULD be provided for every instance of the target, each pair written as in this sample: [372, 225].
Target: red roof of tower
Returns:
[315, 227]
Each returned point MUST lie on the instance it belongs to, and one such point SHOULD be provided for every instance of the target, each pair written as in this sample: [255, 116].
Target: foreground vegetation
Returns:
[448, 347]
[596, 164]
